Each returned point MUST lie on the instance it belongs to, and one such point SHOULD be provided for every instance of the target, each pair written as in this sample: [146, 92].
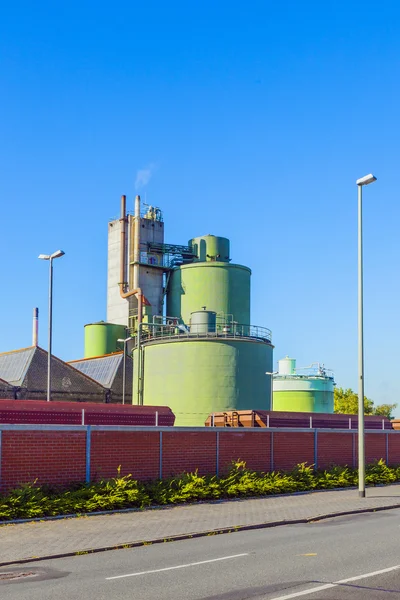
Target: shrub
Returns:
[32, 500]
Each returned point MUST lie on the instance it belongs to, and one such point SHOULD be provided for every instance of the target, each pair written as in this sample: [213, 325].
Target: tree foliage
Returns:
[346, 402]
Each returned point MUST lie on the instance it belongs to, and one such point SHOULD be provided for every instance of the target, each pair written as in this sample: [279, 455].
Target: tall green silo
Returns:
[211, 281]
[102, 338]
[311, 390]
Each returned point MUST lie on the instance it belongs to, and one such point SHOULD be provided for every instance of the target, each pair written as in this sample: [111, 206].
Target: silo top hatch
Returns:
[210, 248]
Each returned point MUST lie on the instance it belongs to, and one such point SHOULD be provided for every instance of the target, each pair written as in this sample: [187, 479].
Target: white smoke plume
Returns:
[143, 176]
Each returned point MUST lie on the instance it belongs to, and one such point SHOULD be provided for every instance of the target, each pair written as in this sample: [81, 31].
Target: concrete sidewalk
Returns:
[22, 541]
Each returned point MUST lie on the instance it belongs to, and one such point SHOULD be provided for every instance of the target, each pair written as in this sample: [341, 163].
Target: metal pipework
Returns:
[124, 342]
[123, 283]
[122, 273]
[136, 249]
[35, 327]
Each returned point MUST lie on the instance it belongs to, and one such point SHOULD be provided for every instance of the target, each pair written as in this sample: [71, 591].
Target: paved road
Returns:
[27, 540]
[329, 560]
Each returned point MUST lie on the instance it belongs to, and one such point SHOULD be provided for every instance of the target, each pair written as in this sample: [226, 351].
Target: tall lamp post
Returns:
[361, 435]
[124, 342]
[50, 258]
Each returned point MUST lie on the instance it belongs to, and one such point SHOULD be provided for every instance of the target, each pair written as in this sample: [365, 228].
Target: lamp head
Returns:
[366, 180]
[51, 256]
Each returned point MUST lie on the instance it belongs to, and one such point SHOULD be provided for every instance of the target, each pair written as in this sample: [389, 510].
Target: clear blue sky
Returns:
[255, 119]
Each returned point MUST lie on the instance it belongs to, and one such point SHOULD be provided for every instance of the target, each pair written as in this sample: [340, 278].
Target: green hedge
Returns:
[32, 501]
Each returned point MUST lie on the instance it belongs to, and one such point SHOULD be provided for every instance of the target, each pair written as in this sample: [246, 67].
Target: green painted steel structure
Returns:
[210, 248]
[101, 338]
[303, 394]
[219, 286]
[200, 376]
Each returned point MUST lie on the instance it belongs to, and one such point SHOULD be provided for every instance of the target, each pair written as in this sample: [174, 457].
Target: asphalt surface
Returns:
[342, 558]
[24, 541]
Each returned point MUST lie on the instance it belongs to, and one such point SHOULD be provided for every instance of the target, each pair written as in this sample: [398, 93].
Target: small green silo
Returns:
[309, 391]
[101, 338]
[211, 281]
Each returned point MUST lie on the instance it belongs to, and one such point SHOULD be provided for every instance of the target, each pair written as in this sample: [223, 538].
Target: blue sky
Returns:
[254, 119]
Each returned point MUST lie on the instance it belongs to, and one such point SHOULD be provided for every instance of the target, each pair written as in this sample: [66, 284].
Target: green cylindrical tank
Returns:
[197, 377]
[219, 286]
[303, 394]
[211, 248]
[101, 338]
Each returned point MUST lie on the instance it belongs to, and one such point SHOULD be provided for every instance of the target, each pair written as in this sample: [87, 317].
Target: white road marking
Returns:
[194, 564]
[328, 586]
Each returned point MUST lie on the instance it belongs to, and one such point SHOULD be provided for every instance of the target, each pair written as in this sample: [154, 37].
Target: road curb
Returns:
[188, 536]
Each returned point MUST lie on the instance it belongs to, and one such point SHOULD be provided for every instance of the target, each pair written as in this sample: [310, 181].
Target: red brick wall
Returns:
[335, 449]
[137, 453]
[394, 450]
[187, 451]
[290, 450]
[375, 447]
[59, 457]
[251, 446]
[53, 457]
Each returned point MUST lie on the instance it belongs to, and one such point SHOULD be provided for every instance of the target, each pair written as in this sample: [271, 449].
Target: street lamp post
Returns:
[124, 342]
[50, 258]
[361, 435]
[271, 374]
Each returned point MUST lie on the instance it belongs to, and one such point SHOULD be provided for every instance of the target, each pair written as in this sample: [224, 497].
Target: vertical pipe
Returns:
[349, 422]
[353, 440]
[361, 440]
[83, 416]
[310, 422]
[136, 247]
[35, 327]
[88, 448]
[122, 250]
[267, 420]
[136, 259]
[156, 418]
[50, 329]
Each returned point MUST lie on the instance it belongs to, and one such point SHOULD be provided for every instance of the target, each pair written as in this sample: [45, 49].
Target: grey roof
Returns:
[14, 365]
[102, 369]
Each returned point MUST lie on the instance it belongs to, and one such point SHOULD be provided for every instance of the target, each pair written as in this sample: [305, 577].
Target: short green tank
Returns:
[303, 394]
[197, 377]
[101, 338]
[211, 248]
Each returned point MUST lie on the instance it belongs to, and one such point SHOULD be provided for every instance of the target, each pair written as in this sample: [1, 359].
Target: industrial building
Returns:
[178, 333]
[24, 371]
[187, 308]
[108, 372]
